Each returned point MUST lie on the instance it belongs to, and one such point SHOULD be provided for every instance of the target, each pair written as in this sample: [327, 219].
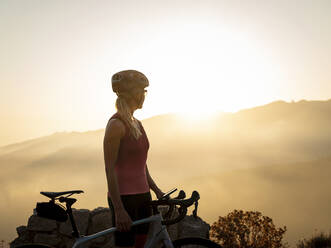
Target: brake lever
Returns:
[195, 211]
[181, 195]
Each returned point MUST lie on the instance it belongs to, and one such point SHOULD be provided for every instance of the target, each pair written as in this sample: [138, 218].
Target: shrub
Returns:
[241, 229]
[319, 241]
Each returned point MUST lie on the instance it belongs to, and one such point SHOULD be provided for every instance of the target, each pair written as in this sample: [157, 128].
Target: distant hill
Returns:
[276, 133]
[273, 158]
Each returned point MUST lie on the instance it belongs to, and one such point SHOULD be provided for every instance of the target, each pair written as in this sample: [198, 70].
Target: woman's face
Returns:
[138, 97]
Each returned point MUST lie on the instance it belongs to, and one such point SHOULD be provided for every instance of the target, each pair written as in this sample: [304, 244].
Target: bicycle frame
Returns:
[157, 235]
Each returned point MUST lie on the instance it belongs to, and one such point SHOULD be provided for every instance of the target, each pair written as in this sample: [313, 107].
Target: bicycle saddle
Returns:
[56, 194]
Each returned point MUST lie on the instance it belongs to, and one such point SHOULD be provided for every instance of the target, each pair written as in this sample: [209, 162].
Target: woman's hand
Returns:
[123, 220]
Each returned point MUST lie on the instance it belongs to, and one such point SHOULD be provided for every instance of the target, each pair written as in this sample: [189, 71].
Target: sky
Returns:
[201, 57]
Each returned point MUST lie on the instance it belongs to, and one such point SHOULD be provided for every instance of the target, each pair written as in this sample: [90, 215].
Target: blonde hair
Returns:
[125, 113]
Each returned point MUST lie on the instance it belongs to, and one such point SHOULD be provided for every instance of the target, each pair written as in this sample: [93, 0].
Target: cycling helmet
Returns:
[124, 81]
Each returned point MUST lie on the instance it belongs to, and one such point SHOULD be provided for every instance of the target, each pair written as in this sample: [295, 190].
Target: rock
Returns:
[67, 242]
[21, 230]
[193, 227]
[24, 236]
[59, 234]
[81, 217]
[49, 239]
[100, 220]
[39, 224]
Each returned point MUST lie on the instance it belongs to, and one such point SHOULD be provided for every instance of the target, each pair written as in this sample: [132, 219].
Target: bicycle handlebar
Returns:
[171, 202]
[175, 201]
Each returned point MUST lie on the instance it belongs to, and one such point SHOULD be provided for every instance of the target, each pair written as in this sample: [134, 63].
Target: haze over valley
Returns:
[275, 159]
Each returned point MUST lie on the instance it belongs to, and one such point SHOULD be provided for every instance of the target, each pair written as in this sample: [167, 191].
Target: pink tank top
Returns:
[130, 166]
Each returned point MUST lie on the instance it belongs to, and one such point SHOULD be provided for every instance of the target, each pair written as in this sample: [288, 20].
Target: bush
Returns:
[250, 229]
[318, 241]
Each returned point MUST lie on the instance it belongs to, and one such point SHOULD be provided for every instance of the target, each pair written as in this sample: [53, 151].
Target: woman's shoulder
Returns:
[116, 120]
[115, 126]
[115, 123]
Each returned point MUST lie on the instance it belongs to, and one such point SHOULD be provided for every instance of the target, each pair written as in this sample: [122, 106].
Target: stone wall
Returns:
[58, 234]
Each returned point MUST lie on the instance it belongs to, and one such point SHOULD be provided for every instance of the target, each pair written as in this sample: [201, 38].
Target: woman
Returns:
[125, 153]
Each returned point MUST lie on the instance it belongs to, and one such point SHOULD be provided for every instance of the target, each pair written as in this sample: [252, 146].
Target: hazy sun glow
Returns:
[224, 72]
[198, 115]
[213, 56]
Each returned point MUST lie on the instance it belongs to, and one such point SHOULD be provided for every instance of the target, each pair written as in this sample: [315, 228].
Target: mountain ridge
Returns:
[174, 116]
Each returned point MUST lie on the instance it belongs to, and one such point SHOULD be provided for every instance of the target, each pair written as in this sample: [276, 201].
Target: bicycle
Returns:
[52, 210]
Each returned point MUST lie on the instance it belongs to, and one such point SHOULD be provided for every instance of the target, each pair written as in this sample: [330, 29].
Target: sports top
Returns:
[130, 167]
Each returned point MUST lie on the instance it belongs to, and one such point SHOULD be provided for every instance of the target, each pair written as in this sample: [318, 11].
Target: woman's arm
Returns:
[111, 143]
[153, 185]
